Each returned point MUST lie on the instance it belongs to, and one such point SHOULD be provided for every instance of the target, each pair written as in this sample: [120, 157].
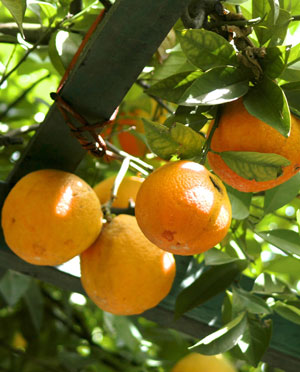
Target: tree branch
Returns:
[144, 85]
[22, 96]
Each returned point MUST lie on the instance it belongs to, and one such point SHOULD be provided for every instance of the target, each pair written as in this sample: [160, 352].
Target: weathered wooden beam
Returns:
[113, 58]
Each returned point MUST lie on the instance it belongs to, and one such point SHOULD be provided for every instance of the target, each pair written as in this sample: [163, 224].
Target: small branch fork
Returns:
[207, 143]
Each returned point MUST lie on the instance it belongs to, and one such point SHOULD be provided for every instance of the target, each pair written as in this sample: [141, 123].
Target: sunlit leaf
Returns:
[17, 9]
[216, 86]
[286, 240]
[267, 102]
[206, 49]
[246, 301]
[289, 312]
[224, 338]
[269, 284]
[173, 87]
[275, 60]
[280, 195]
[255, 340]
[254, 165]
[210, 283]
[240, 203]
[292, 92]
[177, 140]
[215, 257]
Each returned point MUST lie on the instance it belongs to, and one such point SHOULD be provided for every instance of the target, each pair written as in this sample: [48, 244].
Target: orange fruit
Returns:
[124, 273]
[127, 190]
[195, 362]
[128, 141]
[238, 130]
[50, 216]
[183, 208]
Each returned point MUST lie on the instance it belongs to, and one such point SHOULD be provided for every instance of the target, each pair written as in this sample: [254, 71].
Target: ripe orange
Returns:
[128, 141]
[127, 190]
[240, 131]
[50, 216]
[195, 362]
[183, 208]
[124, 273]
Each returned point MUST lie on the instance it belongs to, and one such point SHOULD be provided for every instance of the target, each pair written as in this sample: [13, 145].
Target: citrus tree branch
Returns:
[207, 143]
[22, 96]
[144, 85]
[45, 35]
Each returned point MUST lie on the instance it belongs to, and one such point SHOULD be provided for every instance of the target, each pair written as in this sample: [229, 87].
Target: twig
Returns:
[8, 62]
[144, 85]
[120, 176]
[295, 18]
[11, 138]
[30, 50]
[207, 143]
[135, 163]
[24, 93]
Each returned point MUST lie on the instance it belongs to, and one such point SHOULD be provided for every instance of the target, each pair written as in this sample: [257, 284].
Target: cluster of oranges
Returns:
[127, 264]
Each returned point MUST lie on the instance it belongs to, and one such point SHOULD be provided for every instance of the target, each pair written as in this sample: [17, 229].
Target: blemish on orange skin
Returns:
[169, 235]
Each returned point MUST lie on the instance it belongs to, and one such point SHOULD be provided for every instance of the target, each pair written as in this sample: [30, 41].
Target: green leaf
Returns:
[223, 339]
[245, 301]
[178, 140]
[255, 165]
[216, 257]
[54, 56]
[211, 282]
[13, 286]
[35, 303]
[293, 6]
[17, 9]
[269, 284]
[280, 28]
[287, 265]
[286, 240]
[261, 9]
[188, 116]
[289, 312]
[294, 54]
[173, 87]
[292, 92]
[62, 48]
[272, 30]
[240, 203]
[281, 195]
[206, 49]
[267, 102]
[255, 340]
[174, 64]
[216, 86]
[275, 60]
